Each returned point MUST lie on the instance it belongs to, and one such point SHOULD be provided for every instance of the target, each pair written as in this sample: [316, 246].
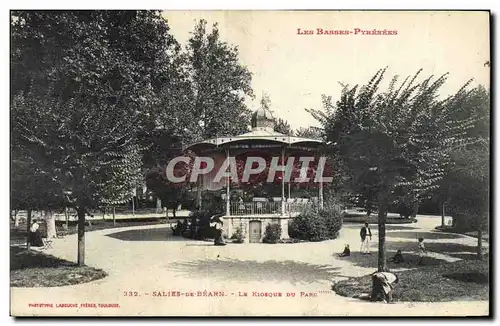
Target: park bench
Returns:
[47, 244]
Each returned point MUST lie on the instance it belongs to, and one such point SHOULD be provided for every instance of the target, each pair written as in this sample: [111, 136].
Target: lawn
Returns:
[465, 280]
[19, 234]
[36, 269]
[486, 236]
[107, 224]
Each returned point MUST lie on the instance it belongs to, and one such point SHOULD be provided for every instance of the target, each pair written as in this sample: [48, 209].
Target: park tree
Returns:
[32, 190]
[309, 132]
[469, 194]
[83, 149]
[395, 141]
[477, 110]
[118, 190]
[283, 127]
[171, 193]
[83, 84]
[466, 181]
[220, 84]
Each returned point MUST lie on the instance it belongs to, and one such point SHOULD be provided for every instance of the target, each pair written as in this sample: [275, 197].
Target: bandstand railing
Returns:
[265, 208]
[295, 207]
[255, 208]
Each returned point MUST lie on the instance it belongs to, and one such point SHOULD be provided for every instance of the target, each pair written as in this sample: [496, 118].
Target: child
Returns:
[398, 257]
[421, 251]
[346, 252]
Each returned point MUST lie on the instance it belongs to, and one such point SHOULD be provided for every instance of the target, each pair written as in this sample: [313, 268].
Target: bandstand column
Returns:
[320, 194]
[283, 182]
[228, 191]
[283, 220]
[198, 193]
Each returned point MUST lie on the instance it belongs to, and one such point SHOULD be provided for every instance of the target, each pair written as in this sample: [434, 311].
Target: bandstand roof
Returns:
[256, 135]
[262, 130]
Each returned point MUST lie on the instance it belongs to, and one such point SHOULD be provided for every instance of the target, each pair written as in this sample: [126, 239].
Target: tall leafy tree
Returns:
[309, 132]
[282, 126]
[221, 84]
[465, 186]
[205, 99]
[393, 142]
[83, 150]
[171, 193]
[32, 190]
[84, 83]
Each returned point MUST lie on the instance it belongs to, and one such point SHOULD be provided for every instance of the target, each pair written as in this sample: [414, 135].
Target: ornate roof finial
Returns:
[263, 118]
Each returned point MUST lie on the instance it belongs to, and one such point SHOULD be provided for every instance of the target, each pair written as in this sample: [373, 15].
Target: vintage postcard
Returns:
[249, 163]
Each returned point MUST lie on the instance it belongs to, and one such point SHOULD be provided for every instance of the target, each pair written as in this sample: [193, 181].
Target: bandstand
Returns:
[252, 215]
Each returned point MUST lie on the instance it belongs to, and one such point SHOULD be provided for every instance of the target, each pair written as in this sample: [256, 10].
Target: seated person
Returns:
[398, 258]
[177, 229]
[35, 237]
[346, 252]
[422, 252]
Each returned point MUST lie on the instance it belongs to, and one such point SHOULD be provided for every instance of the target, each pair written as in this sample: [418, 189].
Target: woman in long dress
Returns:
[218, 223]
[383, 285]
[35, 235]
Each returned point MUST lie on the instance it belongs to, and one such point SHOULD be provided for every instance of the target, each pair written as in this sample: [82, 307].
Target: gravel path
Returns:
[153, 273]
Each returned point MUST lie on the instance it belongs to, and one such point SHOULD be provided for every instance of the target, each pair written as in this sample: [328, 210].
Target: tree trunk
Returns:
[104, 213]
[480, 242]
[81, 236]
[415, 207]
[114, 220]
[28, 227]
[442, 215]
[50, 222]
[66, 214]
[16, 219]
[158, 206]
[133, 206]
[382, 217]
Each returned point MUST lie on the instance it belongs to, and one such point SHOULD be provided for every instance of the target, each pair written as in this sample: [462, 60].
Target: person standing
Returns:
[366, 236]
[422, 253]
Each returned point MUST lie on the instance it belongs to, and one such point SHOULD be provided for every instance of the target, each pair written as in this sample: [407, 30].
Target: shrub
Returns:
[213, 204]
[332, 217]
[314, 224]
[199, 227]
[238, 236]
[272, 233]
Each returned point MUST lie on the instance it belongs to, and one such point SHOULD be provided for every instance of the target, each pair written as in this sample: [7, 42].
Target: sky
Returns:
[296, 69]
